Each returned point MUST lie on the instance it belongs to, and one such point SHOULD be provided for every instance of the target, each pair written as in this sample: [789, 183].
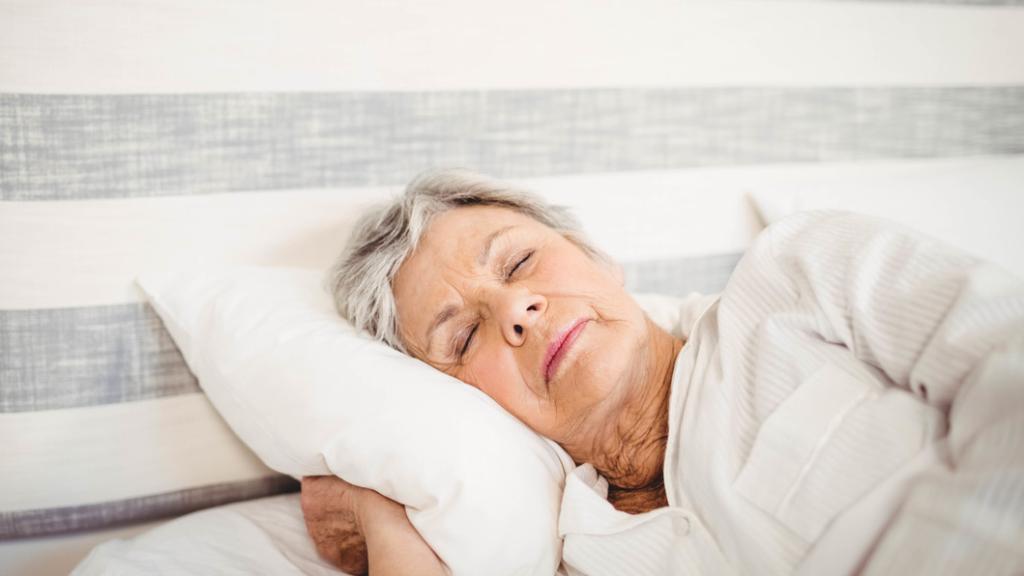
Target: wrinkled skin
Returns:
[329, 507]
[534, 285]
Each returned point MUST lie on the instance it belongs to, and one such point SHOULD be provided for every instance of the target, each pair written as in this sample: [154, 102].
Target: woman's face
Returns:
[512, 307]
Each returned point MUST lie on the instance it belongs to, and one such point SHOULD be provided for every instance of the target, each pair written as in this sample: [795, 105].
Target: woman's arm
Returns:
[393, 545]
[360, 531]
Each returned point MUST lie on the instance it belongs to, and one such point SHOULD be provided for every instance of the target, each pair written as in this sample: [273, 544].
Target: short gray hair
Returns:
[360, 280]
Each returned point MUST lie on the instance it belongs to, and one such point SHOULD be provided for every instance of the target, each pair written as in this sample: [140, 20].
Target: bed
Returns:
[266, 536]
[675, 137]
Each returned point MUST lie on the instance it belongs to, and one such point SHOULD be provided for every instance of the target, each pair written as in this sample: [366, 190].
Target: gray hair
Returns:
[361, 278]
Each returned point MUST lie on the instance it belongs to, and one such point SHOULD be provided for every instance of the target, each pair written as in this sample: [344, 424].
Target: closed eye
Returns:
[508, 275]
[469, 338]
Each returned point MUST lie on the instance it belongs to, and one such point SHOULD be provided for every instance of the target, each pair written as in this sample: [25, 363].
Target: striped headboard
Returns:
[139, 134]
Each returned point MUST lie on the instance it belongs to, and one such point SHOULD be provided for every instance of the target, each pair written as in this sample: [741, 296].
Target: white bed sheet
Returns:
[264, 536]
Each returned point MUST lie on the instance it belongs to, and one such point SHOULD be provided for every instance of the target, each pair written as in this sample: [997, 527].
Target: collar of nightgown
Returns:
[585, 507]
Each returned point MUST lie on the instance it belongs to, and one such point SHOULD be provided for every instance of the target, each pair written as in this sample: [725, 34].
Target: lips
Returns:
[560, 345]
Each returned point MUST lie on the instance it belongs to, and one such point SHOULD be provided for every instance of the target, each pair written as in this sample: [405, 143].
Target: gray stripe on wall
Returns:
[94, 146]
[70, 357]
[74, 357]
[679, 277]
[31, 523]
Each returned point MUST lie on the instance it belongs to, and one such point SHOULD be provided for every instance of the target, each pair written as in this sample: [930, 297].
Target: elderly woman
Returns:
[852, 402]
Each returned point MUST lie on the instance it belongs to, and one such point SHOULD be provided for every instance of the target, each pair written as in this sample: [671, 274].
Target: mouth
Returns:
[560, 345]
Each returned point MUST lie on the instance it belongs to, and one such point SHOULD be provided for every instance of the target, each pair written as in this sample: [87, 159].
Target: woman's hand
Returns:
[355, 527]
[331, 509]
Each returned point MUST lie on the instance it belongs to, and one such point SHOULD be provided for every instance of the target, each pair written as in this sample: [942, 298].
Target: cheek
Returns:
[570, 274]
[496, 375]
[572, 269]
[608, 363]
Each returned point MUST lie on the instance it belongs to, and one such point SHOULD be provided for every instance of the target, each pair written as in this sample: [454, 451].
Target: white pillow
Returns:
[975, 204]
[310, 396]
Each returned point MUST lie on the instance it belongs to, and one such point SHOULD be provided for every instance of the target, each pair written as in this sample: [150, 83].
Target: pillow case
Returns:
[310, 396]
[974, 203]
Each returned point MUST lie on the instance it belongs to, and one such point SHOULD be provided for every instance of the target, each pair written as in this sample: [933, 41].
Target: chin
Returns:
[613, 373]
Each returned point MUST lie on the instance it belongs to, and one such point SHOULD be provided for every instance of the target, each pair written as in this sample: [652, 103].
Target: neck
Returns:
[629, 449]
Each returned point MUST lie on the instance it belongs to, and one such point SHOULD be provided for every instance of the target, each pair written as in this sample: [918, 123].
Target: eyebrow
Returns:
[485, 252]
[449, 311]
[446, 314]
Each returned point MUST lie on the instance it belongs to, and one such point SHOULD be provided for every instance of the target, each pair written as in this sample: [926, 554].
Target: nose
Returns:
[518, 312]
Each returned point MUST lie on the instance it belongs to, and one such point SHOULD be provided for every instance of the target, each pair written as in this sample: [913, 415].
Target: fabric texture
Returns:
[852, 401]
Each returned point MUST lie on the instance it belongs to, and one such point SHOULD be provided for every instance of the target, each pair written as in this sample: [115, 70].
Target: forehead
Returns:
[446, 254]
[460, 227]
[453, 240]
